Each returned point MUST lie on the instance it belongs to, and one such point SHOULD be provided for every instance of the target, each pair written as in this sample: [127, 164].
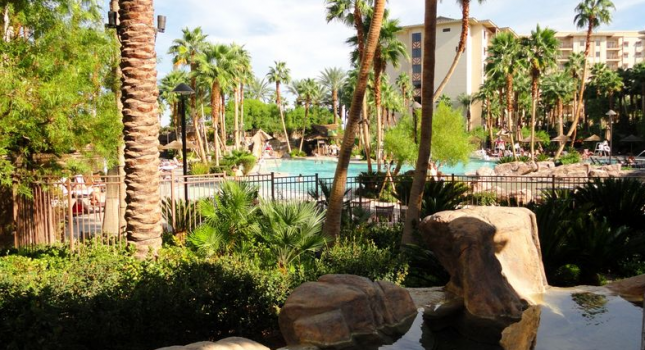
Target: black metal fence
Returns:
[63, 210]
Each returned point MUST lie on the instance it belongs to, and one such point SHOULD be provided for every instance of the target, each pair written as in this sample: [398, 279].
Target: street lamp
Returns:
[183, 90]
[611, 115]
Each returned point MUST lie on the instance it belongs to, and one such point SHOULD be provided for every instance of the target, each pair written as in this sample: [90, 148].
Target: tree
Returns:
[308, 92]
[350, 12]
[332, 220]
[559, 87]
[140, 125]
[590, 14]
[169, 83]
[427, 110]
[541, 48]
[465, 101]
[186, 51]
[404, 83]
[280, 74]
[461, 47]
[333, 79]
[258, 89]
[639, 74]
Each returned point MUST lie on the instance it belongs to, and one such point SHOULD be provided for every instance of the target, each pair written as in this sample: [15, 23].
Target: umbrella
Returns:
[178, 146]
[561, 138]
[631, 139]
[528, 139]
[592, 138]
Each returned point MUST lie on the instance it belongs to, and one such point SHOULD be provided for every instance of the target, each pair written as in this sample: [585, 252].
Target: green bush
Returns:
[483, 198]
[511, 159]
[572, 157]
[199, 168]
[297, 153]
[438, 195]
[542, 157]
[103, 298]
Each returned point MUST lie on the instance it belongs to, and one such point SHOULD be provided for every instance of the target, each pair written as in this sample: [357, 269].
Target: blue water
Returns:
[327, 168]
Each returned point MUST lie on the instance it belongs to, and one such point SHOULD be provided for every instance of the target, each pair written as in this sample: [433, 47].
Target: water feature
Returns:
[326, 168]
[580, 318]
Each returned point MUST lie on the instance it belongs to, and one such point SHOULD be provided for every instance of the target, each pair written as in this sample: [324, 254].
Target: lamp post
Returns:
[183, 90]
[611, 115]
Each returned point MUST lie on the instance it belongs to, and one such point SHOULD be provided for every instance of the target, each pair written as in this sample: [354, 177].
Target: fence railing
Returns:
[64, 210]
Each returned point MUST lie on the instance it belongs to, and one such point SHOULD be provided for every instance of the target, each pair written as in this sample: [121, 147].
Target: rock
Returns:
[521, 197]
[493, 257]
[546, 165]
[631, 288]
[614, 168]
[231, 343]
[572, 170]
[485, 171]
[338, 308]
[512, 168]
[598, 173]
[522, 335]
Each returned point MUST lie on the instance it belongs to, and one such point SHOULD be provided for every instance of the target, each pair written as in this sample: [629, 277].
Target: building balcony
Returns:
[613, 58]
[566, 46]
[613, 46]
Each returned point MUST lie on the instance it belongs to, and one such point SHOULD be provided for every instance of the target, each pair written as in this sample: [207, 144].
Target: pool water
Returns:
[327, 168]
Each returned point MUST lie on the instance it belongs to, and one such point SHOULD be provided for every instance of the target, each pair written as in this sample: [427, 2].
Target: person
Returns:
[500, 145]
[432, 170]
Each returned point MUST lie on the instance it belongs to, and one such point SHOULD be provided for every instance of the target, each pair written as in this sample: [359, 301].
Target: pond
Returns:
[580, 318]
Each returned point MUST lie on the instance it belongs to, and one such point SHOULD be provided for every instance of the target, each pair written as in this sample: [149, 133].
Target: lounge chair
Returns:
[384, 213]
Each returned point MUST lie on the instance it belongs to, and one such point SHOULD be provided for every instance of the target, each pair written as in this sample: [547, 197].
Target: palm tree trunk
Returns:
[425, 141]
[366, 135]
[334, 212]
[140, 125]
[215, 99]
[236, 130]
[284, 125]
[222, 121]
[581, 93]
[560, 118]
[334, 102]
[304, 126]
[465, 11]
[378, 68]
[242, 116]
[534, 93]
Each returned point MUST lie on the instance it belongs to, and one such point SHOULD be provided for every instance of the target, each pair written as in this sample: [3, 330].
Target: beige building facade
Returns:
[615, 49]
[468, 75]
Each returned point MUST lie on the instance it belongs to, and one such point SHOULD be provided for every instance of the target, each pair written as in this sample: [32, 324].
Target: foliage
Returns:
[437, 195]
[370, 183]
[51, 298]
[572, 157]
[483, 198]
[54, 98]
[511, 159]
[297, 153]
[240, 159]
[185, 214]
[403, 152]
[198, 168]
[542, 157]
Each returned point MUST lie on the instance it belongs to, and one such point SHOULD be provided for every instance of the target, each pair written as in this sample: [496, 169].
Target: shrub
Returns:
[297, 153]
[542, 157]
[483, 198]
[572, 157]
[186, 217]
[199, 168]
[437, 196]
[370, 183]
[101, 297]
[510, 159]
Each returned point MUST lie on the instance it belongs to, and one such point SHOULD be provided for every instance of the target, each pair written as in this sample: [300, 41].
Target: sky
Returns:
[295, 31]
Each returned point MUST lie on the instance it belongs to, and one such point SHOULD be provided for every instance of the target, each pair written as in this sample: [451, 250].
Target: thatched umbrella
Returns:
[632, 139]
[592, 138]
[561, 138]
[258, 141]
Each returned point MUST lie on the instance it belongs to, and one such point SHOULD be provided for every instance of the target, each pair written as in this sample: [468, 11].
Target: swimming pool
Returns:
[327, 168]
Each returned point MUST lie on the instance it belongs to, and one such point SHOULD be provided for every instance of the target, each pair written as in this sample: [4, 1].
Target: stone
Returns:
[231, 343]
[339, 309]
[523, 334]
[631, 289]
[493, 257]
[521, 197]
[547, 164]
[572, 170]
[598, 173]
[485, 171]
[512, 168]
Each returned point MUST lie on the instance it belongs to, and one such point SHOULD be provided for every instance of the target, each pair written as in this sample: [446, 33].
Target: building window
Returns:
[445, 30]
[416, 52]
[416, 36]
[626, 43]
[597, 42]
[582, 43]
[598, 54]
[416, 68]
[638, 43]
[626, 55]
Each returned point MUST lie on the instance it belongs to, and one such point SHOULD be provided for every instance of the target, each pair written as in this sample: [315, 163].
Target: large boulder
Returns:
[231, 343]
[493, 257]
[632, 289]
[572, 170]
[513, 169]
[339, 309]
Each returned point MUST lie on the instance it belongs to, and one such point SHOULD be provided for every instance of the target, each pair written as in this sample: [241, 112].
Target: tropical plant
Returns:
[290, 229]
[466, 101]
[333, 219]
[541, 48]
[185, 217]
[280, 74]
[621, 201]
[427, 111]
[229, 220]
[242, 159]
[333, 79]
[258, 89]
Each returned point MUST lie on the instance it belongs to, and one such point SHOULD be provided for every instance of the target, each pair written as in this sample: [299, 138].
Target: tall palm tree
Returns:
[186, 51]
[639, 79]
[258, 89]
[427, 110]
[610, 83]
[574, 66]
[461, 47]
[560, 88]
[140, 125]
[280, 74]
[215, 68]
[389, 50]
[466, 100]
[308, 92]
[350, 12]
[333, 79]
[332, 220]
[487, 95]
[504, 62]
[541, 48]
[404, 83]
[168, 83]
[590, 14]
[241, 71]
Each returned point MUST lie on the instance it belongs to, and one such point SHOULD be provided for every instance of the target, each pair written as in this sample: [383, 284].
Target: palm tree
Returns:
[639, 76]
[168, 83]
[610, 82]
[308, 92]
[487, 95]
[465, 101]
[461, 47]
[574, 66]
[389, 50]
[427, 110]
[541, 48]
[280, 74]
[332, 221]
[186, 51]
[333, 79]
[140, 126]
[241, 70]
[350, 12]
[559, 87]
[504, 62]
[258, 89]
[404, 83]
[590, 14]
